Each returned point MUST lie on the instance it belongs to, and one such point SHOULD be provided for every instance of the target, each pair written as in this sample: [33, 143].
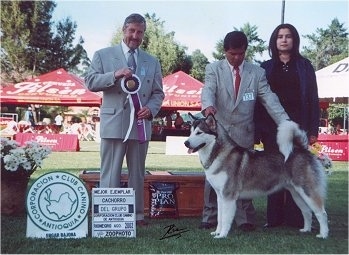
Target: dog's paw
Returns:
[303, 230]
[323, 236]
[319, 236]
[220, 236]
[215, 233]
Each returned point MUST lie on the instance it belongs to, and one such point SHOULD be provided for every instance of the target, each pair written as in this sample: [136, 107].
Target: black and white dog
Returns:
[238, 173]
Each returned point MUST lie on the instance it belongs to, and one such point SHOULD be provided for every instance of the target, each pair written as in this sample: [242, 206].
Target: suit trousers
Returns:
[113, 152]
[245, 212]
[281, 209]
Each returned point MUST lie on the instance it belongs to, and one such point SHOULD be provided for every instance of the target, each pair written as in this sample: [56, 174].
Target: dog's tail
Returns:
[290, 135]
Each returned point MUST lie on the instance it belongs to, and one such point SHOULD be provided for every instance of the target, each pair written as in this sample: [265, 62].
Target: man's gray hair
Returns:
[135, 18]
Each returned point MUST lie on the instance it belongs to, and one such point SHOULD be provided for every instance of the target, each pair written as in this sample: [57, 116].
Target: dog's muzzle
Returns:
[193, 150]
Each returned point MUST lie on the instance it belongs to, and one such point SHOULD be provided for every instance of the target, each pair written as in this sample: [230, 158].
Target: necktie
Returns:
[237, 80]
[131, 62]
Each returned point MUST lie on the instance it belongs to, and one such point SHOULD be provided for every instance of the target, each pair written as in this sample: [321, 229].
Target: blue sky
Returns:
[199, 24]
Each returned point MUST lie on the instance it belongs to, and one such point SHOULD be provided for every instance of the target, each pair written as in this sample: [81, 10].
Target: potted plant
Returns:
[18, 163]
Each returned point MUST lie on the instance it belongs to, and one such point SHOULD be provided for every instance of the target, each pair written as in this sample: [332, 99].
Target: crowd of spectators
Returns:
[84, 131]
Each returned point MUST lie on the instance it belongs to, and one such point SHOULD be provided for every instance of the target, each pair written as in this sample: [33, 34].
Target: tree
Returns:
[38, 16]
[31, 46]
[15, 36]
[199, 63]
[327, 46]
[255, 44]
[160, 44]
[219, 54]
[338, 114]
[63, 53]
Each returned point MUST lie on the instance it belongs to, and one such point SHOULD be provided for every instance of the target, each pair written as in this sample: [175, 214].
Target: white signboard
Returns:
[57, 207]
[113, 212]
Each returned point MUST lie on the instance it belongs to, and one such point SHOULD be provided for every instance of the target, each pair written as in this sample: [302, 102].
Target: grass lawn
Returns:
[280, 240]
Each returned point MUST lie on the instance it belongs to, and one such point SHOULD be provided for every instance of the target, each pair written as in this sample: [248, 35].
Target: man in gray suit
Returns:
[234, 107]
[126, 123]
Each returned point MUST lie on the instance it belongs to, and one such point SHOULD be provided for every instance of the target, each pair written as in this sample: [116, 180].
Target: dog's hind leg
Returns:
[227, 213]
[305, 209]
[322, 218]
[317, 204]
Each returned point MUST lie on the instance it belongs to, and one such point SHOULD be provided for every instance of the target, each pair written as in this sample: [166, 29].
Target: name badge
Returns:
[142, 71]
[248, 96]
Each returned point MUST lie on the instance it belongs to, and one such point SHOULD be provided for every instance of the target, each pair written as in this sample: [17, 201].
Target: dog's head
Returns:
[203, 131]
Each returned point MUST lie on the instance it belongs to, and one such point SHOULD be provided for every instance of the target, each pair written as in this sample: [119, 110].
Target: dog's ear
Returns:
[211, 121]
[192, 117]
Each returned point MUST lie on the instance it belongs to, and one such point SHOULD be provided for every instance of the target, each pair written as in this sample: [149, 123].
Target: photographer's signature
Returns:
[173, 231]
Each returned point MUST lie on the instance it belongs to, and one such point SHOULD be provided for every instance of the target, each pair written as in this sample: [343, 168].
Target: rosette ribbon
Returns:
[131, 86]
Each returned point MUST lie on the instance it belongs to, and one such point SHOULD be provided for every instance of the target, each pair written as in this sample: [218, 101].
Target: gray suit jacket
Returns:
[115, 109]
[236, 115]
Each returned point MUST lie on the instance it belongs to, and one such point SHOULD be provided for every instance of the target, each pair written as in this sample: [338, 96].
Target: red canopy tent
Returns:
[182, 92]
[55, 88]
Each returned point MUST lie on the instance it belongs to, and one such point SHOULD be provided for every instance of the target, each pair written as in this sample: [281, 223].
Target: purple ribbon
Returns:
[135, 105]
[142, 136]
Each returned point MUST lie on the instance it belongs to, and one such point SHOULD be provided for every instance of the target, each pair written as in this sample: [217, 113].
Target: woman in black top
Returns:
[292, 78]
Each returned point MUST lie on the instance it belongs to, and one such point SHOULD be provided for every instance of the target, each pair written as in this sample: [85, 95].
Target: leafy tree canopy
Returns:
[199, 61]
[31, 45]
[255, 44]
[327, 46]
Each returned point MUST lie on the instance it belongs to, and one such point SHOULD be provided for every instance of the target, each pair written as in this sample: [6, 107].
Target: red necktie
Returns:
[237, 80]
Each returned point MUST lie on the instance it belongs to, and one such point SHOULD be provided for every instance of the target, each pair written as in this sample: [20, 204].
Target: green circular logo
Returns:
[57, 201]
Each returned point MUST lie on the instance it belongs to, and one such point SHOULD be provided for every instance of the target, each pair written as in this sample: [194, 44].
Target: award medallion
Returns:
[131, 85]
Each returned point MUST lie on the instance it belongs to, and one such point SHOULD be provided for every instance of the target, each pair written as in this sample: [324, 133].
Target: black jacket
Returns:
[310, 113]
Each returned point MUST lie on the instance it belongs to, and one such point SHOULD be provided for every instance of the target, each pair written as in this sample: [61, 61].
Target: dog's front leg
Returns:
[227, 213]
[219, 215]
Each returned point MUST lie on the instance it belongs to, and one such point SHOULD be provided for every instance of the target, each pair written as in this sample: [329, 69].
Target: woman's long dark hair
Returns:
[273, 51]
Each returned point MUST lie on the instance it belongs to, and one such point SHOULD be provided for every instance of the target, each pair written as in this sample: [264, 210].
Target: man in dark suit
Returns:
[233, 106]
[120, 116]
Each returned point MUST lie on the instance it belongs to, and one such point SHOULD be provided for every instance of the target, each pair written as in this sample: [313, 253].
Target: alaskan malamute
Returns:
[237, 173]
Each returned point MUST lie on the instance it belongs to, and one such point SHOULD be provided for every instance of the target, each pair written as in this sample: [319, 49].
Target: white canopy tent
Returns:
[333, 82]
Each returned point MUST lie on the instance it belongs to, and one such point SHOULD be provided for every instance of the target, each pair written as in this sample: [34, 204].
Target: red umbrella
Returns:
[54, 88]
[182, 92]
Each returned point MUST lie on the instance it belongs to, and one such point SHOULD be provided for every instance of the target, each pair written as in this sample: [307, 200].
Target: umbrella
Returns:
[333, 82]
[182, 92]
[54, 88]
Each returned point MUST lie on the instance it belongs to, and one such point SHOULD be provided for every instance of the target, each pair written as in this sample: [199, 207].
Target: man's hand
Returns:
[209, 110]
[144, 113]
[121, 73]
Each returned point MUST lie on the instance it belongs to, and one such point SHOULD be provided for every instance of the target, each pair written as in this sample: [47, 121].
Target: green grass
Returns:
[281, 240]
